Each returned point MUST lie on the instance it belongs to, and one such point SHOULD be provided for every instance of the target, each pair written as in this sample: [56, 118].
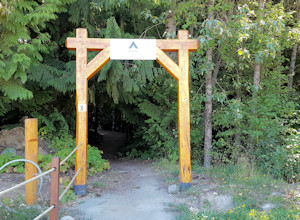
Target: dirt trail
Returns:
[133, 191]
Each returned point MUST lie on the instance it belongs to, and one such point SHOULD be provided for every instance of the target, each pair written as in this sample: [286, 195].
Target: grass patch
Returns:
[249, 187]
[239, 213]
[99, 184]
[17, 209]
[170, 170]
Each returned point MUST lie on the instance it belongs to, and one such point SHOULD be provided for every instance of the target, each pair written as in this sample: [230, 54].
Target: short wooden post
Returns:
[31, 153]
[54, 193]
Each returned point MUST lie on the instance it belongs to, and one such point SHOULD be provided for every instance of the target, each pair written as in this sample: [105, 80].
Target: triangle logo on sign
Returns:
[133, 45]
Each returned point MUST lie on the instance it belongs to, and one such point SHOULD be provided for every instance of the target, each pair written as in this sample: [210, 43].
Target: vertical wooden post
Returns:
[31, 153]
[54, 193]
[82, 112]
[184, 114]
[84, 71]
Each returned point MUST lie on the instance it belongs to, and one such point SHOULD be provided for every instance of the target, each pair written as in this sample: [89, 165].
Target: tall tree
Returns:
[208, 103]
[295, 48]
[23, 40]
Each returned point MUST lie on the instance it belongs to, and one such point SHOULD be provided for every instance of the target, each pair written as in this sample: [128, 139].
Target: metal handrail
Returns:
[43, 174]
[29, 161]
[44, 212]
[25, 182]
[62, 162]
[69, 185]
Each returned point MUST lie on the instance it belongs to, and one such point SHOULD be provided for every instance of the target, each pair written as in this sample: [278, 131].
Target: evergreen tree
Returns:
[23, 41]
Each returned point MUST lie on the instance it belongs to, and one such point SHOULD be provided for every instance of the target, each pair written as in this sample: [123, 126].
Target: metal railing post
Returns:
[54, 194]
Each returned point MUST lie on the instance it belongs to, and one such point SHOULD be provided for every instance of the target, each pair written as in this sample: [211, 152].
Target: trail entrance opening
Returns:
[132, 49]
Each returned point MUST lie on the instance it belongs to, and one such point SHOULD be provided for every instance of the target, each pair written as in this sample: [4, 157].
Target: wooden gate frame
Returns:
[86, 70]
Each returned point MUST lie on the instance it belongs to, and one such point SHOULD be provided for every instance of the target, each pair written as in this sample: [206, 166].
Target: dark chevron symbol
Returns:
[133, 45]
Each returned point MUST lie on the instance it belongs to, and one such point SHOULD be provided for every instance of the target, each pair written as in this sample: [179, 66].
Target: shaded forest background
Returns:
[244, 78]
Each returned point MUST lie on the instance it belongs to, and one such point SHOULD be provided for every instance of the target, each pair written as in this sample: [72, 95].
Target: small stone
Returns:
[194, 210]
[275, 193]
[268, 206]
[67, 217]
[9, 150]
[173, 189]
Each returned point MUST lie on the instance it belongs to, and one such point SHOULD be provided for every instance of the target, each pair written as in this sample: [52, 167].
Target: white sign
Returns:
[132, 49]
[82, 107]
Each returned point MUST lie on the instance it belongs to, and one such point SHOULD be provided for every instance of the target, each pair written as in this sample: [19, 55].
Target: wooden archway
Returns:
[86, 70]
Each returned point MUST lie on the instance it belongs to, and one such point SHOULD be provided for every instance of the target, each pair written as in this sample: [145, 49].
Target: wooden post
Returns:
[81, 113]
[180, 72]
[85, 71]
[31, 153]
[54, 193]
[184, 114]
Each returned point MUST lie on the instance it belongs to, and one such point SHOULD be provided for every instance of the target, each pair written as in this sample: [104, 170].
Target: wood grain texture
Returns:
[92, 44]
[184, 111]
[54, 193]
[81, 117]
[180, 71]
[31, 153]
[167, 63]
[97, 63]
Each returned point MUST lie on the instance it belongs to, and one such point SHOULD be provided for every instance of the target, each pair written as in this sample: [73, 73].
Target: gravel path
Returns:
[139, 195]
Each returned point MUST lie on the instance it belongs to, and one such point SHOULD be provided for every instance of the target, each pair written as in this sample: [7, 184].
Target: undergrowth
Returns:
[17, 209]
[249, 186]
[61, 147]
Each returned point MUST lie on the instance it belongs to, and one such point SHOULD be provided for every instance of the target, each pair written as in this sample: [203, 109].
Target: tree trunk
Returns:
[256, 78]
[292, 65]
[261, 4]
[216, 69]
[256, 82]
[208, 112]
[293, 57]
[208, 104]
[170, 32]
[237, 136]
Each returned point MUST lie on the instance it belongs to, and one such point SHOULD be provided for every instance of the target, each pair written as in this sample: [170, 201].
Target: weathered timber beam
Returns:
[97, 63]
[166, 62]
[92, 44]
[175, 45]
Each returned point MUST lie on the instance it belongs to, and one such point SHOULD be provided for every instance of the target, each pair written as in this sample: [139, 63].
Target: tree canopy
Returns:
[244, 78]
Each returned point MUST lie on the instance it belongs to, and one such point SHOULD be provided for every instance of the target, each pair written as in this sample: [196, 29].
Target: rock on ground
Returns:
[214, 201]
[15, 138]
[268, 206]
[9, 150]
[67, 217]
[173, 189]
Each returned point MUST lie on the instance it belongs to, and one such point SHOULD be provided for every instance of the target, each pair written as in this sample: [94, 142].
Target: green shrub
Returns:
[63, 146]
[14, 167]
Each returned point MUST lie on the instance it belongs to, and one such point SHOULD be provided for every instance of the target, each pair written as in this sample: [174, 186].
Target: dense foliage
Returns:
[255, 110]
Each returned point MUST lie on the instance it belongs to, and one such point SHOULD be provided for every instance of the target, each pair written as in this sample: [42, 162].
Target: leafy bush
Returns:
[14, 167]
[17, 209]
[63, 147]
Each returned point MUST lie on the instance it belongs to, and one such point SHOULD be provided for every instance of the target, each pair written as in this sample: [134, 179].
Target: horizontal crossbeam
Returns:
[175, 45]
[92, 44]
